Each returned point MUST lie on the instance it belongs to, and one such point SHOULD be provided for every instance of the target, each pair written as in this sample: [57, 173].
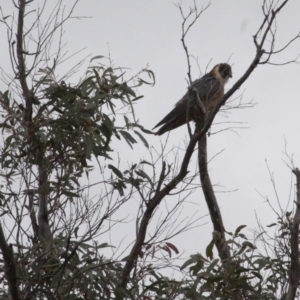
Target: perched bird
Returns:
[210, 90]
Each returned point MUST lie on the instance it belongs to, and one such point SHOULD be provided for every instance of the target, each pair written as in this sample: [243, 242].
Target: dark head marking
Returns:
[225, 70]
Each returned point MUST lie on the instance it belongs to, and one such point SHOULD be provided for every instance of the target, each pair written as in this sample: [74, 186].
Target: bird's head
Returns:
[223, 71]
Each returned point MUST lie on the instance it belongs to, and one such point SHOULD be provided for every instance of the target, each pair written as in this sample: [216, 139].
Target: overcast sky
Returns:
[139, 32]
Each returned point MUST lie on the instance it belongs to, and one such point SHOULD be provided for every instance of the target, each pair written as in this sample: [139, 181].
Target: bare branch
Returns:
[199, 133]
[184, 30]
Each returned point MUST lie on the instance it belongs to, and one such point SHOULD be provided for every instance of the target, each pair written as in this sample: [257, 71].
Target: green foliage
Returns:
[71, 125]
[78, 272]
[255, 275]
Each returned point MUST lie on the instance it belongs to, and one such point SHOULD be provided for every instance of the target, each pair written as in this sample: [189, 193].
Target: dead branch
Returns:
[269, 33]
[199, 133]
[185, 29]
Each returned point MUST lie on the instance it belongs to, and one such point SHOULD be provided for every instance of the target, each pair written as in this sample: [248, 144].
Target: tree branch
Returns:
[35, 227]
[214, 211]
[28, 95]
[294, 275]
[211, 201]
[198, 134]
[44, 231]
[10, 267]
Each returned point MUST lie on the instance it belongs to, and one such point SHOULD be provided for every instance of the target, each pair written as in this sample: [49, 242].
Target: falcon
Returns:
[210, 90]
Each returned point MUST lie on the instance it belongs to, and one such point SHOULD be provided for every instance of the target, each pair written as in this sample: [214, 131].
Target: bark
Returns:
[199, 133]
[211, 201]
[35, 227]
[28, 95]
[155, 201]
[10, 267]
[215, 213]
[294, 275]
[44, 231]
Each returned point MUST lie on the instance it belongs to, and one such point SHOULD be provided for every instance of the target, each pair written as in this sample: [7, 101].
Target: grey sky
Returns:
[138, 32]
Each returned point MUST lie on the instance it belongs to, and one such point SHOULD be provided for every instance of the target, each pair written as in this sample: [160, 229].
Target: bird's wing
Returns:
[206, 86]
[174, 123]
[180, 108]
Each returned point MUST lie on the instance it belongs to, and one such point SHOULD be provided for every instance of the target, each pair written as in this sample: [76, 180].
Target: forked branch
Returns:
[198, 134]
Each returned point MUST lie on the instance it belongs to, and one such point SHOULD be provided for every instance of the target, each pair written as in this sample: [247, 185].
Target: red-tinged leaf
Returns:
[167, 250]
[172, 247]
